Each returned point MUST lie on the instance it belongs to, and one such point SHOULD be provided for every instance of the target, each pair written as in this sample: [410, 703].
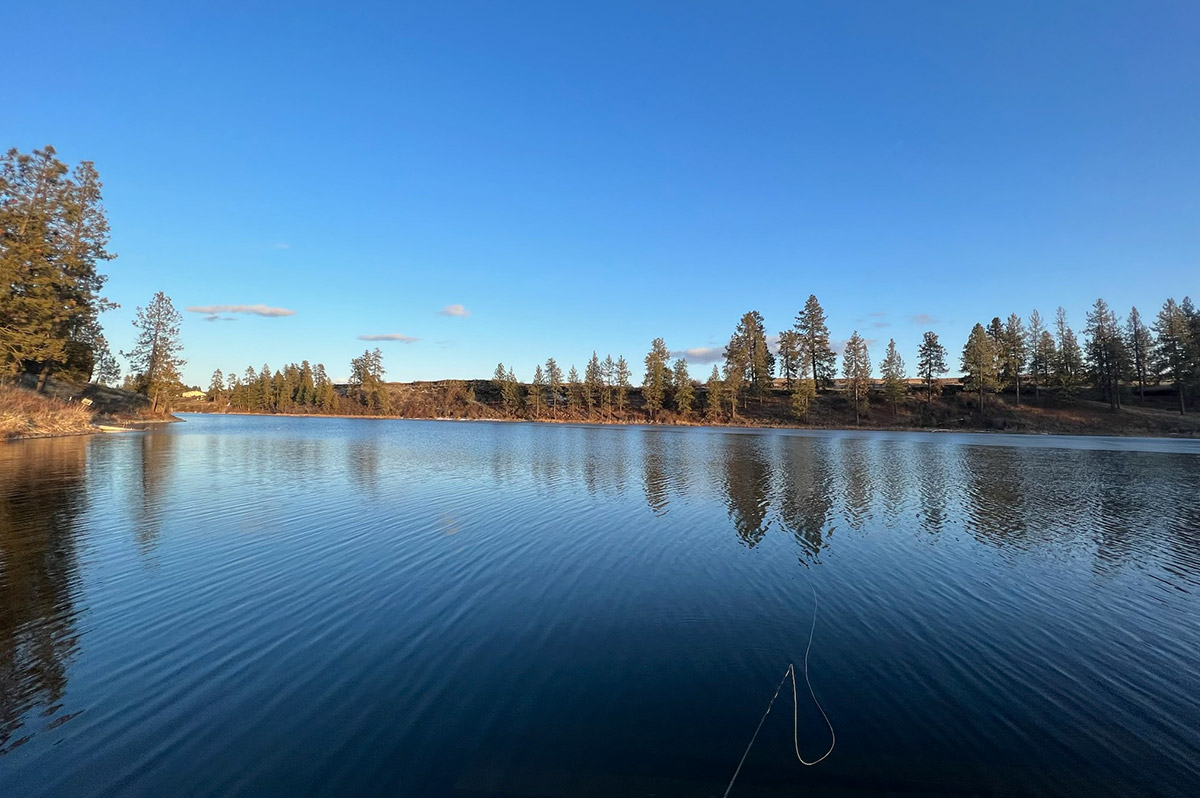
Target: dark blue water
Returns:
[264, 606]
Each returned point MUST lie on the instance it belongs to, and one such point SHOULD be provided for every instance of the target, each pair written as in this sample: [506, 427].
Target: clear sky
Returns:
[582, 176]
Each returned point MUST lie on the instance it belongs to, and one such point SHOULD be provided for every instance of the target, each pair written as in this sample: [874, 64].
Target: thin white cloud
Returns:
[217, 317]
[701, 354]
[454, 310]
[404, 339]
[923, 319]
[839, 345]
[281, 245]
[257, 310]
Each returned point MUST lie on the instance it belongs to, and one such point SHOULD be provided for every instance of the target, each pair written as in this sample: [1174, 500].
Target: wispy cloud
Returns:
[839, 345]
[217, 317]
[701, 354]
[877, 314]
[454, 310]
[404, 339]
[923, 319]
[257, 310]
[281, 245]
[879, 325]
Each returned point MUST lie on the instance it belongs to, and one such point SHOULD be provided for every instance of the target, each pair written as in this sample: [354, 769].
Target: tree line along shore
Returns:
[1017, 372]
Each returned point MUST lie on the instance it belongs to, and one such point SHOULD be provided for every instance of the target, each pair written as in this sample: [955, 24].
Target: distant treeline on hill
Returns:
[1022, 359]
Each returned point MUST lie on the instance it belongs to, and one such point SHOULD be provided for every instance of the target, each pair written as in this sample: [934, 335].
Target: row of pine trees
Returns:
[1118, 357]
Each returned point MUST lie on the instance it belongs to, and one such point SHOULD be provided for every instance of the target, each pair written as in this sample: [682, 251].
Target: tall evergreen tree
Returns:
[1106, 356]
[804, 393]
[155, 354]
[814, 342]
[789, 356]
[53, 236]
[658, 375]
[608, 375]
[574, 391]
[895, 381]
[712, 397]
[1068, 364]
[1041, 357]
[979, 363]
[931, 362]
[623, 377]
[1014, 353]
[216, 388]
[685, 394]
[554, 381]
[537, 392]
[593, 383]
[1174, 347]
[748, 347]
[856, 368]
[1140, 345]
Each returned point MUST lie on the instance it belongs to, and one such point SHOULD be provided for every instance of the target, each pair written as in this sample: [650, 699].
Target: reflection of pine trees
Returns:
[654, 471]
[157, 460]
[747, 485]
[41, 497]
[857, 468]
[806, 492]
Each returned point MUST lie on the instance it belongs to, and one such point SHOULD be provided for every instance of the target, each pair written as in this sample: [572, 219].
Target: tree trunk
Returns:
[1018, 379]
[43, 375]
[1179, 387]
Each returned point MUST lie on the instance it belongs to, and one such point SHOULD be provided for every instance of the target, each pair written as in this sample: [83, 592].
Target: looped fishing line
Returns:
[791, 671]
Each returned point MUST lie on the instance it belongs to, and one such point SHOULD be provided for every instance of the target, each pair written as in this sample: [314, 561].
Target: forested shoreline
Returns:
[55, 237]
[800, 381]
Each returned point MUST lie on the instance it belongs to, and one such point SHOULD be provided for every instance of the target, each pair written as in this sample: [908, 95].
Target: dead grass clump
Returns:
[25, 413]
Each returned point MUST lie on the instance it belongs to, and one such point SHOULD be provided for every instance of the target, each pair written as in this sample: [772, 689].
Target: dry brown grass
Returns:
[25, 413]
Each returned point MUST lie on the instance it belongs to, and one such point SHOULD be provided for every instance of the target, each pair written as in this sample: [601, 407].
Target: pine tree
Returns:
[1068, 363]
[1106, 356]
[593, 383]
[608, 375]
[216, 388]
[155, 354]
[658, 375]
[1014, 353]
[326, 393]
[712, 397]
[931, 362]
[54, 236]
[685, 393]
[623, 377]
[1174, 347]
[804, 393]
[1140, 345]
[789, 356]
[538, 391]
[979, 363]
[856, 368]
[814, 342]
[1041, 359]
[895, 381]
[554, 381]
[574, 391]
[748, 347]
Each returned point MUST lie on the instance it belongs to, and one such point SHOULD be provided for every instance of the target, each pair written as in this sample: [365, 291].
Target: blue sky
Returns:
[591, 176]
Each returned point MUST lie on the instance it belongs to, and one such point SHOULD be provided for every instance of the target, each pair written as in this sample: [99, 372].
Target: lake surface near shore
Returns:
[306, 606]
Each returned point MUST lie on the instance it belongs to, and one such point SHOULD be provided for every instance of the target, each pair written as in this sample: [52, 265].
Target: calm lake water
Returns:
[267, 606]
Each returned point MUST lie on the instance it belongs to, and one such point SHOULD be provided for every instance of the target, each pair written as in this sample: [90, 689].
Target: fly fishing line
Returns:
[791, 671]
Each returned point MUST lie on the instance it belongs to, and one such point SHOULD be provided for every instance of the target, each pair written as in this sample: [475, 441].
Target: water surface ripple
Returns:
[254, 605]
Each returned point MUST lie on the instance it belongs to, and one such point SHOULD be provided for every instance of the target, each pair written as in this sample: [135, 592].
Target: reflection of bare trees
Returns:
[654, 471]
[42, 494]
